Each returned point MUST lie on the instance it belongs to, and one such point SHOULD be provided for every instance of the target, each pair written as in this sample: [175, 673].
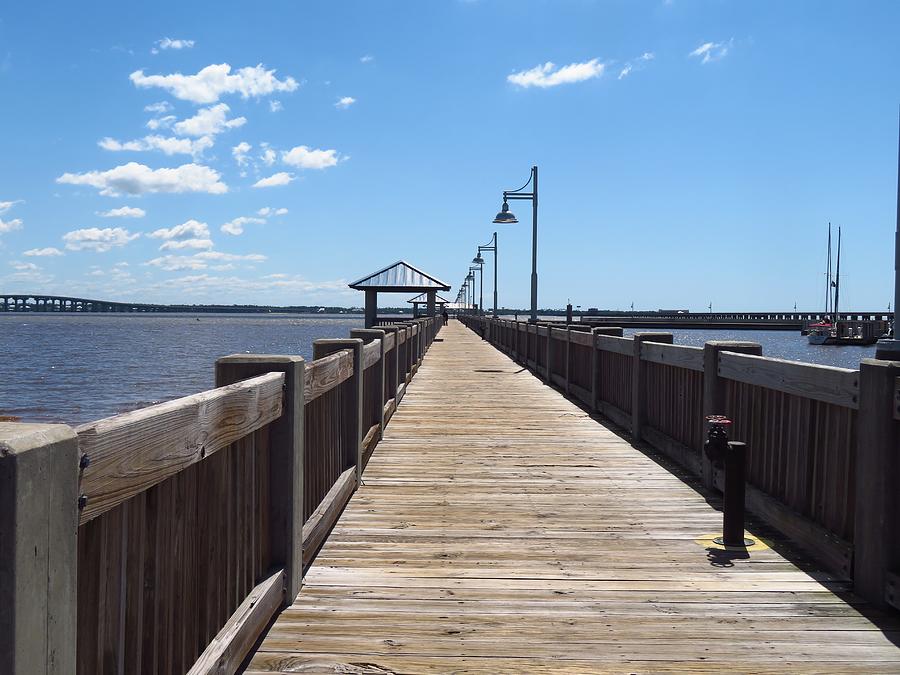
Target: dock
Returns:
[500, 528]
[489, 496]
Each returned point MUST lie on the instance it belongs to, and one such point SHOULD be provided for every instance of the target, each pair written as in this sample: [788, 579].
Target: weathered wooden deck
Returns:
[501, 529]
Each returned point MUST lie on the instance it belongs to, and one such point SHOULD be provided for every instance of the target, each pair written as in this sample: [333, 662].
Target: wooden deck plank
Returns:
[502, 529]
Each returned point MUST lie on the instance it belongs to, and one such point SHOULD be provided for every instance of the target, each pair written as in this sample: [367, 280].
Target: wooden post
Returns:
[569, 329]
[875, 537]
[714, 388]
[286, 457]
[595, 362]
[431, 299]
[378, 370]
[393, 375]
[38, 548]
[371, 308]
[638, 381]
[351, 424]
[548, 356]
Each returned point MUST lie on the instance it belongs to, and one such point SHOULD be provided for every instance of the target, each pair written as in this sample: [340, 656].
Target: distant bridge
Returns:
[727, 320]
[58, 303]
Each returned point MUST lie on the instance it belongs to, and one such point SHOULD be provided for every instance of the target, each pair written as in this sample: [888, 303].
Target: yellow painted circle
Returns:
[706, 541]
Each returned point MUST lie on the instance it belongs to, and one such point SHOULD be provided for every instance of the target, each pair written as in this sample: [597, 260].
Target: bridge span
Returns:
[59, 303]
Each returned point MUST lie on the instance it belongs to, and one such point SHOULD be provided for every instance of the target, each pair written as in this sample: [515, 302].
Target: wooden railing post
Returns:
[875, 538]
[38, 548]
[639, 379]
[351, 422]
[368, 335]
[714, 389]
[569, 329]
[595, 362]
[393, 373]
[285, 459]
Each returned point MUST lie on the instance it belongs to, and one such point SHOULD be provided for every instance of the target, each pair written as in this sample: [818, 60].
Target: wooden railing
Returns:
[164, 540]
[822, 442]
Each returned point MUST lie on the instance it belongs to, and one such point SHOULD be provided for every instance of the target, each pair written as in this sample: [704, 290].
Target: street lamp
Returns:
[490, 246]
[506, 216]
[471, 276]
[479, 267]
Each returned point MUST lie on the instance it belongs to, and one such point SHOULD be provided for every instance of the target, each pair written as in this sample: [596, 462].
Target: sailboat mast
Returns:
[828, 275]
[837, 278]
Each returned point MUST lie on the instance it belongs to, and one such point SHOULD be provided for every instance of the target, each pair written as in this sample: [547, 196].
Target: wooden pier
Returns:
[492, 522]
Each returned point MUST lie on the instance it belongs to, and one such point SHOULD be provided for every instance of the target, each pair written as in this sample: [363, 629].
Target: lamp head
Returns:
[505, 216]
[478, 260]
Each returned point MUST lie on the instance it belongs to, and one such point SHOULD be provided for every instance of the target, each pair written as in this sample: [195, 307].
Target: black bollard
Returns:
[733, 513]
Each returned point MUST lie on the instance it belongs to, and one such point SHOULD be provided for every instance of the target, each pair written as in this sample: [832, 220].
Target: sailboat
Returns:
[836, 332]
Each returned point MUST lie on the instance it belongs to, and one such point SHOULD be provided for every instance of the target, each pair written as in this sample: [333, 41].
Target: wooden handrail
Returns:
[132, 452]
[325, 374]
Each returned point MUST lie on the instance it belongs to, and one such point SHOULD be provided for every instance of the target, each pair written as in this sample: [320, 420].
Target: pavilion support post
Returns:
[371, 308]
[431, 298]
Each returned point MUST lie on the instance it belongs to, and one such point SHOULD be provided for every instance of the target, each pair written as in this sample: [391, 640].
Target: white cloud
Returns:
[169, 43]
[236, 226]
[161, 123]
[23, 266]
[168, 145]
[275, 106]
[276, 179]
[635, 64]
[136, 179]
[193, 229]
[202, 260]
[209, 122]
[123, 212]
[269, 211]
[368, 58]
[10, 225]
[240, 151]
[304, 158]
[177, 244]
[96, 239]
[161, 108]
[269, 156]
[712, 51]
[548, 75]
[6, 206]
[345, 102]
[43, 252]
[214, 81]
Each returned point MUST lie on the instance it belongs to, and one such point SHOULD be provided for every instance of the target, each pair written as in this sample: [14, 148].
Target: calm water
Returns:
[77, 368]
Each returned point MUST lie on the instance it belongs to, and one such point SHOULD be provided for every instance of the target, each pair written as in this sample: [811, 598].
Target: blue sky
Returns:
[689, 152]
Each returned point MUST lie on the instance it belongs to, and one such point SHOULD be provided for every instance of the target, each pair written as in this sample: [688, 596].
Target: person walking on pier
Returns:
[445, 316]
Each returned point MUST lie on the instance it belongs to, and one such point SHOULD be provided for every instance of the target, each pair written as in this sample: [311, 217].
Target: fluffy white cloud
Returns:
[345, 102]
[6, 206]
[169, 146]
[240, 151]
[136, 179]
[23, 266]
[169, 43]
[548, 75]
[269, 156]
[269, 211]
[304, 158]
[10, 225]
[635, 64]
[97, 239]
[193, 229]
[43, 252]
[123, 212]
[236, 226]
[178, 244]
[368, 58]
[276, 179]
[209, 122]
[712, 51]
[275, 106]
[202, 260]
[214, 81]
[161, 108]
[161, 122]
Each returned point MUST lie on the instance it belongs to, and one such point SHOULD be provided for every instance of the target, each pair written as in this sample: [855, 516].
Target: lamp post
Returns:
[490, 246]
[472, 271]
[506, 216]
[480, 269]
